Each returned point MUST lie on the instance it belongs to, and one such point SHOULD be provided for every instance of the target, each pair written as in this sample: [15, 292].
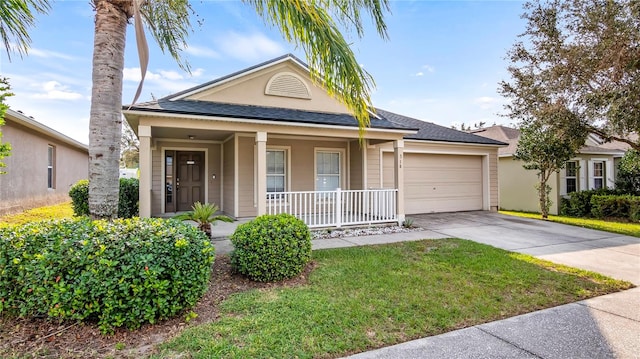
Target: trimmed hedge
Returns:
[579, 203]
[121, 273]
[625, 206]
[127, 200]
[271, 248]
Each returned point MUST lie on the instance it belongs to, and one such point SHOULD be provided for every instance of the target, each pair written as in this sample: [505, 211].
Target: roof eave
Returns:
[37, 126]
[165, 113]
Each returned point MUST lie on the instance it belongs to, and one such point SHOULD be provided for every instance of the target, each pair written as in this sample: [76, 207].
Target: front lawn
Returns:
[629, 229]
[58, 211]
[367, 297]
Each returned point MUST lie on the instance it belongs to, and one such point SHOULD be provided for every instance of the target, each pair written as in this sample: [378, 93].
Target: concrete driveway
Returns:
[611, 254]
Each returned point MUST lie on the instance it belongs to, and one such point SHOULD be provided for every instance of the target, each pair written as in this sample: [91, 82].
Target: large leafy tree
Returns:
[546, 149]
[5, 148]
[583, 55]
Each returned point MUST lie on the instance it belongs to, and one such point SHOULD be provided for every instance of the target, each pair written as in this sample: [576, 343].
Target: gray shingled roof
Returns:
[208, 108]
[387, 120]
[431, 132]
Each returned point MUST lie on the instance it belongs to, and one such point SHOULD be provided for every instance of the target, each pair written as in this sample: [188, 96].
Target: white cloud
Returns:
[53, 90]
[134, 74]
[171, 75]
[197, 72]
[249, 47]
[419, 74]
[200, 51]
[429, 68]
[49, 54]
[485, 102]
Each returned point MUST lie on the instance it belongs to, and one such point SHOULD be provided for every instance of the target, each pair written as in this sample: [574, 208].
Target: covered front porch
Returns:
[319, 175]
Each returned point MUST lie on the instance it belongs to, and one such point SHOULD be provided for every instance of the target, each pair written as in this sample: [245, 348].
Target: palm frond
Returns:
[170, 25]
[308, 24]
[16, 17]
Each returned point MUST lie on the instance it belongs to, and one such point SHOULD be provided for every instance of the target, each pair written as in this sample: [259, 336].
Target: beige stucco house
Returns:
[42, 166]
[268, 140]
[593, 167]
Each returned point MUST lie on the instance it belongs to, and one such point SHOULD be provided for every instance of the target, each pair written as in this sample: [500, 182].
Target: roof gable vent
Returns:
[287, 84]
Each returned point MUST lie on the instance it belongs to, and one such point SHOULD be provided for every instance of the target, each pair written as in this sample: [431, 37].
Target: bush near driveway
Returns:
[271, 248]
[121, 273]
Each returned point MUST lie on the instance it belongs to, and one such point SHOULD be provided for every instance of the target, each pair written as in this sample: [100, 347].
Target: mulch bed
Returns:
[38, 337]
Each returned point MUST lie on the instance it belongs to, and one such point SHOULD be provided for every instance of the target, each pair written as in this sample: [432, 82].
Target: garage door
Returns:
[438, 183]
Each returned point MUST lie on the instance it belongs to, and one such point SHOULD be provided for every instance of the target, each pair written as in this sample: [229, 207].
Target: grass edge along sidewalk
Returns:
[626, 228]
[367, 297]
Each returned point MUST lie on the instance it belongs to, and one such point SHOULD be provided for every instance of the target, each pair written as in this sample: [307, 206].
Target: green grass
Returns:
[630, 229]
[367, 297]
[59, 211]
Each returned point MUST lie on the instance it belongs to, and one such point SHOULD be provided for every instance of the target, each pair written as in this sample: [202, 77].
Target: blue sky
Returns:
[442, 63]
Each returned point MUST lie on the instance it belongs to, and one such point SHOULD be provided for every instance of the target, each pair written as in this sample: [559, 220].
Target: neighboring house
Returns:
[593, 167]
[268, 140]
[42, 166]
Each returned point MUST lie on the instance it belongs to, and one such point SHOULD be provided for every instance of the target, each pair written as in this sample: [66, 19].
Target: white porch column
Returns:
[398, 149]
[144, 135]
[261, 180]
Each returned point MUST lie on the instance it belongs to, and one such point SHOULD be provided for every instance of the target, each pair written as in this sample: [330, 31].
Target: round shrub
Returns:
[127, 200]
[121, 273]
[271, 248]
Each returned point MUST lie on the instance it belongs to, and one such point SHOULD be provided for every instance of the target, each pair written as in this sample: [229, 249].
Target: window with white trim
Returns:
[598, 174]
[571, 176]
[276, 171]
[51, 155]
[328, 170]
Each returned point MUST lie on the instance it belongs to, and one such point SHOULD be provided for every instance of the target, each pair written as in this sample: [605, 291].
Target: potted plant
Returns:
[204, 215]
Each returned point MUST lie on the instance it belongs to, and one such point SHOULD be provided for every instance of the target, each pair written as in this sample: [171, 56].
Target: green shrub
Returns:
[79, 194]
[271, 248]
[121, 273]
[579, 203]
[610, 206]
[621, 206]
[127, 202]
[634, 209]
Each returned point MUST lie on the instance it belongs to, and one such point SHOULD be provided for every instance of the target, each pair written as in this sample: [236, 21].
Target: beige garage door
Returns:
[438, 183]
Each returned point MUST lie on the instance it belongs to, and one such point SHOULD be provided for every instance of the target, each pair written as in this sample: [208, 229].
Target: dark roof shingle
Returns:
[431, 132]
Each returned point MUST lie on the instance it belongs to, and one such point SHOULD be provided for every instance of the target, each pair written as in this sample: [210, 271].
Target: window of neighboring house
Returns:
[276, 170]
[571, 174]
[51, 156]
[598, 175]
[328, 176]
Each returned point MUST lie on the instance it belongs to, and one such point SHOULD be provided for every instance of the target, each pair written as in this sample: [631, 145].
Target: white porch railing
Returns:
[336, 208]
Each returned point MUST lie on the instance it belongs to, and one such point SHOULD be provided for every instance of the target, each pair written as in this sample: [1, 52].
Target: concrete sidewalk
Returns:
[601, 327]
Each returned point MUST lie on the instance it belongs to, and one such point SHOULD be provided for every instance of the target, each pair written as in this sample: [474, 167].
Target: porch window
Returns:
[598, 175]
[276, 170]
[328, 176]
[571, 176]
[51, 154]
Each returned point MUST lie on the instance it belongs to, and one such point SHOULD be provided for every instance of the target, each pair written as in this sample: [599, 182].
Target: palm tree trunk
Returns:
[105, 124]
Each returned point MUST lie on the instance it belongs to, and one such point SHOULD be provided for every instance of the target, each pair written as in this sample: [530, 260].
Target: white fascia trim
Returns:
[452, 143]
[602, 153]
[242, 74]
[267, 122]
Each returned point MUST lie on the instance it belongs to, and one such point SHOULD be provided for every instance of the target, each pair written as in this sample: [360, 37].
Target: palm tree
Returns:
[204, 215]
[310, 24]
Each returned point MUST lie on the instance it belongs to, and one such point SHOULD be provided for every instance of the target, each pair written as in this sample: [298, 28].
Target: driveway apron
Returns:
[611, 254]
